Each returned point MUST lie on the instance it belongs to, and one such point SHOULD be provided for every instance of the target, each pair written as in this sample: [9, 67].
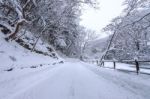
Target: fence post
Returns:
[137, 66]
[114, 65]
[97, 62]
[103, 63]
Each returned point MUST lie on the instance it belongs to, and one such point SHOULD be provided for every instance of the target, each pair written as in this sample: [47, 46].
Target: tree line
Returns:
[130, 32]
[53, 21]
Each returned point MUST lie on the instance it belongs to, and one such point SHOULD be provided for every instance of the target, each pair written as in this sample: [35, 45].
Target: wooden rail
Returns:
[137, 65]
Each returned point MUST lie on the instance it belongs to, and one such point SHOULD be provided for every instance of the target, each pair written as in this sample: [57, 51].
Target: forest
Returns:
[58, 24]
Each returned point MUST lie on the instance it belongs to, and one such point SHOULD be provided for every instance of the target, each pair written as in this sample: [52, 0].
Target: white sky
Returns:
[97, 19]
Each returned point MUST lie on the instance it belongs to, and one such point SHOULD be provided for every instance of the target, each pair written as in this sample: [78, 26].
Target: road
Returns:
[77, 80]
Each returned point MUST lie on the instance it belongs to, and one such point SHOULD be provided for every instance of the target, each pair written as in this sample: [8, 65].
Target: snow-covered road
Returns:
[82, 81]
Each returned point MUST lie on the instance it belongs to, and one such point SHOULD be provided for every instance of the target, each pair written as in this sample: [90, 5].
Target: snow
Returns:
[7, 25]
[30, 39]
[37, 76]
[73, 80]
[60, 42]
[18, 79]
[145, 69]
[12, 55]
[34, 1]
[148, 43]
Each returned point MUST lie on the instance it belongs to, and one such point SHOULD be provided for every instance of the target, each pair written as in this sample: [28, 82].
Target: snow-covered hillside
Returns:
[95, 48]
[17, 54]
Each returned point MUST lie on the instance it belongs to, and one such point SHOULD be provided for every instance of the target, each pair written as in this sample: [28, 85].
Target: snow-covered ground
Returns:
[124, 67]
[144, 69]
[12, 55]
[73, 80]
[28, 75]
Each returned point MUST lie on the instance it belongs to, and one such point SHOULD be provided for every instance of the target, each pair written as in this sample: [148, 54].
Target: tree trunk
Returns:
[35, 43]
[13, 35]
[37, 39]
[107, 49]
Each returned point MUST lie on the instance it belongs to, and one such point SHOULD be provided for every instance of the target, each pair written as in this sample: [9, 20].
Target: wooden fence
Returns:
[136, 62]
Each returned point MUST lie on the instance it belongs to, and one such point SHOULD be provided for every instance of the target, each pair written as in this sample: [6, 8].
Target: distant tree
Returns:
[89, 36]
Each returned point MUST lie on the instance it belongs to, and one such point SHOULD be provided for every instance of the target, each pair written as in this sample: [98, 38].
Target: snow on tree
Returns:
[130, 34]
[46, 19]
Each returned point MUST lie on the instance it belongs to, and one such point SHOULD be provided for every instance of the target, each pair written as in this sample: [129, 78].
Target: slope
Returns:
[15, 55]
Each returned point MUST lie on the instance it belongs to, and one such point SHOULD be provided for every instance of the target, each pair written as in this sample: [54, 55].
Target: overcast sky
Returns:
[97, 19]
